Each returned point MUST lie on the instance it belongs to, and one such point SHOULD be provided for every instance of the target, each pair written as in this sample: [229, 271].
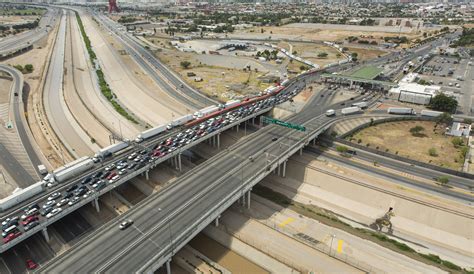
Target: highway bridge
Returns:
[25, 40]
[174, 156]
[165, 221]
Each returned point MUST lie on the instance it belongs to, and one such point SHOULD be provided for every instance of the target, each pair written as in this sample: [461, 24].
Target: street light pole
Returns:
[330, 248]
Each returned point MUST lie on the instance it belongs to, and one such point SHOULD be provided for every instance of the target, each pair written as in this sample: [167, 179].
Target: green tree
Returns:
[322, 55]
[457, 142]
[442, 102]
[417, 131]
[29, 68]
[354, 56]
[443, 180]
[467, 121]
[433, 152]
[342, 149]
[444, 118]
[185, 64]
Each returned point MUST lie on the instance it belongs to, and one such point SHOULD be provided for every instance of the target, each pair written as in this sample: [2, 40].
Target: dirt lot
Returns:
[319, 33]
[218, 82]
[366, 54]
[310, 51]
[395, 137]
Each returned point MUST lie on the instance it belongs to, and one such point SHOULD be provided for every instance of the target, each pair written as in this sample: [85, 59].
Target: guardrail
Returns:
[182, 239]
[126, 178]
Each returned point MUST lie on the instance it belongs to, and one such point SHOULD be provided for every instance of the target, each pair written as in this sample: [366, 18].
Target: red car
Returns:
[157, 153]
[30, 264]
[29, 220]
[11, 236]
[111, 175]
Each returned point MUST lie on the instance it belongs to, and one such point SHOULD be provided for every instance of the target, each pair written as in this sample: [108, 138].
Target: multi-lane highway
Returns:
[59, 116]
[173, 85]
[26, 39]
[18, 172]
[166, 220]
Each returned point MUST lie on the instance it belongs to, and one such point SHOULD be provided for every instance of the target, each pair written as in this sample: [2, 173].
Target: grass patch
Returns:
[328, 218]
[103, 85]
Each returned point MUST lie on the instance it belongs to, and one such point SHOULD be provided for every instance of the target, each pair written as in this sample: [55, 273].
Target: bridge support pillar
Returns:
[248, 198]
[218, 140]
[179, 162]
[278, 171]
[168, 267]
[237, 127]
[147, 175]
[314, 141]
[301, 151]
[96, 204]
[45, 234]
[216, 221]
[284, 169]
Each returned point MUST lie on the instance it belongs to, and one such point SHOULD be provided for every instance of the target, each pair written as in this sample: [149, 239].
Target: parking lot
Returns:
[453, 75]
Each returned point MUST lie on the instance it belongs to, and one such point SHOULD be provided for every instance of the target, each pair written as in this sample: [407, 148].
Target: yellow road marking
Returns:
[287, 221]
[339, 246]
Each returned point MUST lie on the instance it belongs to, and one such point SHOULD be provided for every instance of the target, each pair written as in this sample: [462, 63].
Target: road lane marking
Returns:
[287, 221]
[339, 246]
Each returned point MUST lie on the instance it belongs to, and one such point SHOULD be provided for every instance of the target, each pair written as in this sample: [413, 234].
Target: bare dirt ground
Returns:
[318, 32]
[218, 82]
[310, 52]
[366, 54]
[5, 86]
[397, 139]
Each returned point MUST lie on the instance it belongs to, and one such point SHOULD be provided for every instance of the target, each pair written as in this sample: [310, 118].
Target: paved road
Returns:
[165, 217]
[25, 39]
[183, 204]
[185, 94]
[19, 174]
[61, 120]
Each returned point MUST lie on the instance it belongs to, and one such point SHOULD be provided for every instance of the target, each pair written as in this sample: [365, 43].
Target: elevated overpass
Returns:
[166, 221]
[24, 41]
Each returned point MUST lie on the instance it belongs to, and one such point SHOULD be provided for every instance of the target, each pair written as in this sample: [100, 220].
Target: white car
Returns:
[114, 179]
[49, 204]
[74, 200]
[123, 171]
[62, 202]
[54, 212]
[54, 196]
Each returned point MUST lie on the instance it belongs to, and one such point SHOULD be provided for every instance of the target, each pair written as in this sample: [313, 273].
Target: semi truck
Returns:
[361, 105]
[20, 195]
[203, 112]
[108, 151]
[68, 171]
[350, 110]
[180, 121]
[430, 113]
[150, 133]
[402, 111]
[232, 103]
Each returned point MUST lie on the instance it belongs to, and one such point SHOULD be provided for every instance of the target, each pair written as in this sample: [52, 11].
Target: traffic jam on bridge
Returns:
[147, 148]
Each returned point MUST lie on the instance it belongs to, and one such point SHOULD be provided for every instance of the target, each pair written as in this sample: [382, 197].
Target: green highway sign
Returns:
[283, 124]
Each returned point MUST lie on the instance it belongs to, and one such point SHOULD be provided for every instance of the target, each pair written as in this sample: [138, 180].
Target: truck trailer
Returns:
[430, 113]
[20, 195]
[180, 121]
[68, 171]
[150, 133]
[108, 151]
[361, 105]
[401, 111]
[350, 110]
